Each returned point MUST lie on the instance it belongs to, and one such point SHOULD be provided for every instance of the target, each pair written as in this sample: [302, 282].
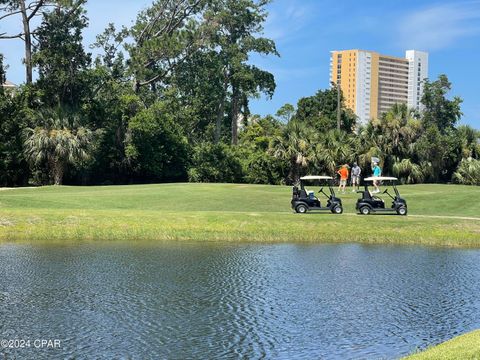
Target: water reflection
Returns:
[230, 301]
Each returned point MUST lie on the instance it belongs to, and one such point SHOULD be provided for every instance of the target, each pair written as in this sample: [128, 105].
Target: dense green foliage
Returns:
[61, 59]
[215, 163]
[156, 145]
[14, 169]
[168, 100]
[320, 112]
[440, 111]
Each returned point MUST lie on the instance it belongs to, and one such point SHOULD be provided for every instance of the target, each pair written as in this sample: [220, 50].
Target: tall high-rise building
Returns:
[417, 72]
[371, 82]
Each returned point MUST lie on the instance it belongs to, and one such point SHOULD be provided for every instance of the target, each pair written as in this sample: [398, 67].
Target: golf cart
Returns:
[304, 200]
[369, 203]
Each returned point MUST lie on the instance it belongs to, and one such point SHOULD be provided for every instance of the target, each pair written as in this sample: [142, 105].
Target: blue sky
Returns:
[305, 32]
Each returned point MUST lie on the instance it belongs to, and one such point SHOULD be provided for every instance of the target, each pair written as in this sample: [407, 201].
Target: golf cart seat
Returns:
[374, 200]
[311, 198]
[378, 201]
[296, 192]
[366, 195]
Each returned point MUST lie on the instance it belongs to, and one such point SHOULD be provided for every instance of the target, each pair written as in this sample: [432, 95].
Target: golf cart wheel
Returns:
[301, 209]
[337, 210]
[402, 210]
[365, 210]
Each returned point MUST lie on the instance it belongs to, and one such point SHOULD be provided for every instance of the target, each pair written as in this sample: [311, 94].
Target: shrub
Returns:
[156, 147]
[262, 168]
[215, 163]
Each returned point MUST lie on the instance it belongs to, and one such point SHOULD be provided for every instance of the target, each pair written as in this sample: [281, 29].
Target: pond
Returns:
[212, 301]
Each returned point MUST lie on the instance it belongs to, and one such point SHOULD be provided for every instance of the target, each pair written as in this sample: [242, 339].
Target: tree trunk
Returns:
[294, 173]
[58, 171]
[218, 124]
[28, 43]
[246, 109]
[235, 112]
[136, 86]
[221, 111]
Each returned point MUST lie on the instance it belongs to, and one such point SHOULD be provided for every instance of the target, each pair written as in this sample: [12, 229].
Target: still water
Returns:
[235, 301]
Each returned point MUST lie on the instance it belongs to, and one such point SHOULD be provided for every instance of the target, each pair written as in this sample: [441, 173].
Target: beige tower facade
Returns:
[371, 82]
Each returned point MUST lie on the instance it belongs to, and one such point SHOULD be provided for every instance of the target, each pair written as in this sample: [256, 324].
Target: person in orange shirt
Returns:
[343, 172]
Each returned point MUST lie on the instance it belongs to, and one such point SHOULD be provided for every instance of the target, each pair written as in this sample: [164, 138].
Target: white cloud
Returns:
[439, 26]
[283, 25]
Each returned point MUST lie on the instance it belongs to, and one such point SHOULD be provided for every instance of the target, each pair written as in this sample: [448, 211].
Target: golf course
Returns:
[439, 215]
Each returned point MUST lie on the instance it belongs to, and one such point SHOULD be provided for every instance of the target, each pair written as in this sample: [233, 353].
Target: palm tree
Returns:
[410, 172]
[333, 148]
[295, 146]
[58, 142]
[368, 144]
[392, 138]
[470, 141]
[468, 172]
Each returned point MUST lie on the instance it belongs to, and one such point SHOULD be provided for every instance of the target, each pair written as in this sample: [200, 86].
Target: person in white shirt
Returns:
[356, 172]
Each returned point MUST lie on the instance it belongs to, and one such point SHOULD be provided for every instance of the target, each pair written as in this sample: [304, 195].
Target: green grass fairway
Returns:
[464, 347]
[446, 215]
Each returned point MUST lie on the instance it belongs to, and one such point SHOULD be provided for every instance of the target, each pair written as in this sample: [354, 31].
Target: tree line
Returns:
[167, 99]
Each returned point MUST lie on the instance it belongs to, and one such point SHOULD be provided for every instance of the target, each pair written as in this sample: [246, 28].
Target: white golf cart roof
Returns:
[316, 177]
[380, 178]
